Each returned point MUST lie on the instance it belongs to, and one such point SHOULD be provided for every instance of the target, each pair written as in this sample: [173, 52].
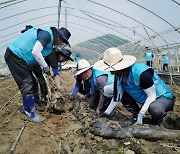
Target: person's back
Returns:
[29, 49]
[149, 56]
[137, 83]
[165, 62]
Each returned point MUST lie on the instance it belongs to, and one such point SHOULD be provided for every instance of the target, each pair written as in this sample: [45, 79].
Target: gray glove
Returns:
[46, 70]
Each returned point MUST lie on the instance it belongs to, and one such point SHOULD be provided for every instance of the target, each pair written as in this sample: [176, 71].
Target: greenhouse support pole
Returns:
[65, 18]
[59, 12]
[177, 59]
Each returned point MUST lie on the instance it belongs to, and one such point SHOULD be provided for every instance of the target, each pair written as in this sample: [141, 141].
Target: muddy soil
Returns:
[70, 131]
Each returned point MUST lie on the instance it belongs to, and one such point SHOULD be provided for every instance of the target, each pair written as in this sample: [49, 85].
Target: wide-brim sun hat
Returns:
[82, 66]
[65, 35]
[65, 52]
[113, 60]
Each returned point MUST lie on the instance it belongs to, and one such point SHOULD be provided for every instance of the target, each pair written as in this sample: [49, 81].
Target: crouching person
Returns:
[98, 81]
[27, 50]
[81, 86]
[137, 83]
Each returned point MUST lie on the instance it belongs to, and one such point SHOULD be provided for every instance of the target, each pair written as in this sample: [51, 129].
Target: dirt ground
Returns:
[68, 132]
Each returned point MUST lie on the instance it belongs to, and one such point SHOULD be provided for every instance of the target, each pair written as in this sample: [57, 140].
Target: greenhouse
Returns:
[148, 30]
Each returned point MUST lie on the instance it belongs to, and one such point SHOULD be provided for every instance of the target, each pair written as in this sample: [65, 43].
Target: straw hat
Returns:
[82, 66]
[114, 60]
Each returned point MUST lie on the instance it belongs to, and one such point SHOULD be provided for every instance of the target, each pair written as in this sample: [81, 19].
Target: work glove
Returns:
[87, 96]
[97, 110]
[72, 98]
[46, 70]
[139, 119]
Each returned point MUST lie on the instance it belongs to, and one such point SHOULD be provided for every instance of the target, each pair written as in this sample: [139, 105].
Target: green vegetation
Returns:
[107, 148]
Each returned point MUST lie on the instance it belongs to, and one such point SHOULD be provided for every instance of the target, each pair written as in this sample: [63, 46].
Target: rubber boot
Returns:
[29, 109]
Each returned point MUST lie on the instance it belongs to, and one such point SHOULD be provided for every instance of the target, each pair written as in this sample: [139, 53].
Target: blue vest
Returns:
[77, 59]
[165, 59]
[97, 73]
[23, 45]
[132, 86]
[93, 79]
[149, 56]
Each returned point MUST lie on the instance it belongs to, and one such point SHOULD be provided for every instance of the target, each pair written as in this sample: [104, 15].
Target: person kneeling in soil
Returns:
[135, 82]
[81, 86]
[29, 49]
[99, 80]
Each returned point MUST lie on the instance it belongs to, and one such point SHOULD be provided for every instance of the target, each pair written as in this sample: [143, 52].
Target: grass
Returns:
[105, 147]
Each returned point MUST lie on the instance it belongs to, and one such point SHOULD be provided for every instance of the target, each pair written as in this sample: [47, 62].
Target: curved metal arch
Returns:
[176, 29]
[76, 34]
[103, 25]
[175, 2]
[108, 20]
[71, 23]
[69, 14]
[62, 13]
[51, 22]
[97, 31]
[128, 17]
[64, 7]
[28, 20]
[84, 12]
[98, 36]
[11, 4]
[27, 12]
[90, 47]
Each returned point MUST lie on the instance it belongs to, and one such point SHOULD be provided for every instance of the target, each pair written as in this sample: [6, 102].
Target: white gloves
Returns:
[139, 119]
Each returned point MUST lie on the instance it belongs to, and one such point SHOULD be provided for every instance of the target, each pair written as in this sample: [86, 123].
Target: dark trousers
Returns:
[20, 72]
[94, 101]
[83, 90]
[40, 79]
[149, 63]
[165, 67]
[157, 109]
